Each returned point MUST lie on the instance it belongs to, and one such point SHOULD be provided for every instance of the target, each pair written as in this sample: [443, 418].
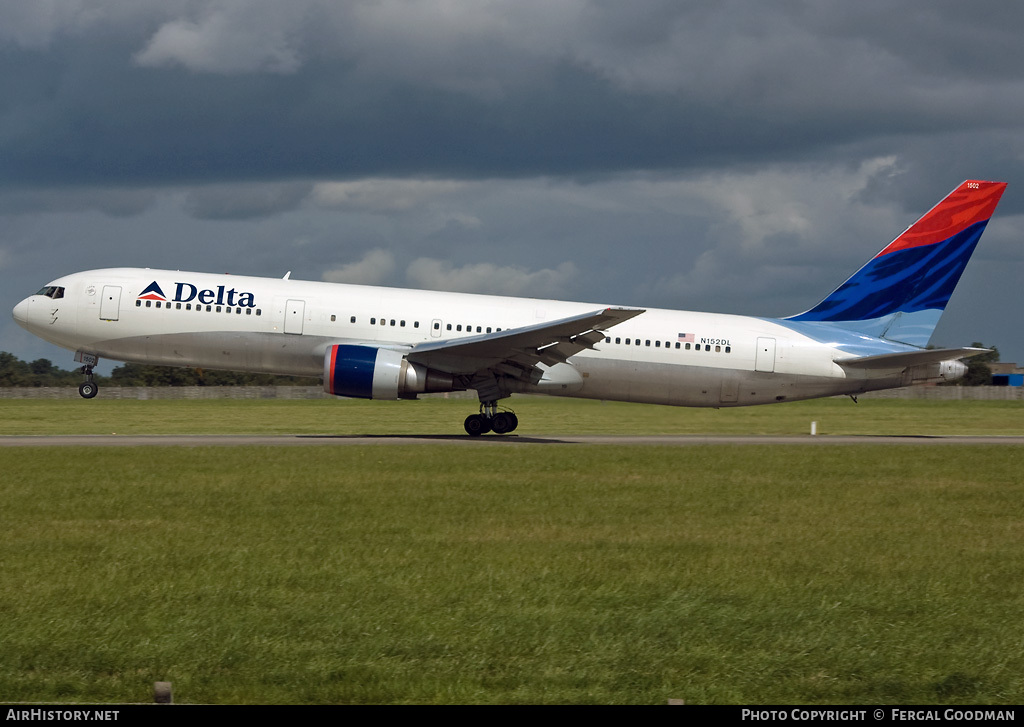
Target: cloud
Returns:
[375, 268]
[232, 38]
[245, 201]
[685, 155]
[379, 195]
[775, 230]
[115, 202]
[489, 278]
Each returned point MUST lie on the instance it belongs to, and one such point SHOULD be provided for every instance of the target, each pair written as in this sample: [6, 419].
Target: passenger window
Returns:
[657, 344]
[138, 304]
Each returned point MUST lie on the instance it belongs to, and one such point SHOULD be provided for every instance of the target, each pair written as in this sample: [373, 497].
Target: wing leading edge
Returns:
[518, 351]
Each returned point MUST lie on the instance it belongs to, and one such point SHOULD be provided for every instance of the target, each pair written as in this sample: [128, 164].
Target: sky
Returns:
[735, 157]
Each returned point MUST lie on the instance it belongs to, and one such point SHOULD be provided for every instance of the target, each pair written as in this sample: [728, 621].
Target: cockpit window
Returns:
[52, 291]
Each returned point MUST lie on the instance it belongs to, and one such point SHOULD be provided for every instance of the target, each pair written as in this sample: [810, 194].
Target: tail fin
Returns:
[900, 293]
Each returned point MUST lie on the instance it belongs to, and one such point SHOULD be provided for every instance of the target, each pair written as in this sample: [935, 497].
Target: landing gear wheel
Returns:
[88, 389]
[504, 422]
[477, 424]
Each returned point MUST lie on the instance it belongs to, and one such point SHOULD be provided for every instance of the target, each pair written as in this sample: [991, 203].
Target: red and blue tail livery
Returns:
[900, 293]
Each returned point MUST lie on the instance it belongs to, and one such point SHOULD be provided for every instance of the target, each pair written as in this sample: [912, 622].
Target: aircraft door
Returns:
[435, 328]
[294, 312]
[764, 360]
[110, 303]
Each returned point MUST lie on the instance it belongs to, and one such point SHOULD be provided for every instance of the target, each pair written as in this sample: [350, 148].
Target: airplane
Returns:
[390, 343]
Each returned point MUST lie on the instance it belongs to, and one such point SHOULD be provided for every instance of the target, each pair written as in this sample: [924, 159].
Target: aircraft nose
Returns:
[20, 312]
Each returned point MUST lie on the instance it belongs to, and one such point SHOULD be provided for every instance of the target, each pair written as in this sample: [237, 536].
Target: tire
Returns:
[88, 390]
[503, 422]
[476, 425]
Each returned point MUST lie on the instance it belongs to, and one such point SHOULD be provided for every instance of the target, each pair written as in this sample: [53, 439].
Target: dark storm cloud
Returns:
[245, 201]
[728, 156]
[248, 91]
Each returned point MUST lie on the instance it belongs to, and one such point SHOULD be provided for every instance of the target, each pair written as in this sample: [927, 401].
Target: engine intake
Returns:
[364, 372]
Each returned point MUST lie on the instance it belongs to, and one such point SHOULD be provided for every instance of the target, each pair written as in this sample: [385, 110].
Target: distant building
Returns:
[1006, 374]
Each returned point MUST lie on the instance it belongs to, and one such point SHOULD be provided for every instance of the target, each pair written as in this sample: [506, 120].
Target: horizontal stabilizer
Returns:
[909, 358]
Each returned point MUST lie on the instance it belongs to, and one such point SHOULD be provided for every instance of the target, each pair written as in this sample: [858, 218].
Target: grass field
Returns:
[553, 574]
[537, 415]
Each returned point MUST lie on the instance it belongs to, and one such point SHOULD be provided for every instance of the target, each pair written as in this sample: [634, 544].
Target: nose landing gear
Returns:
[88, 389]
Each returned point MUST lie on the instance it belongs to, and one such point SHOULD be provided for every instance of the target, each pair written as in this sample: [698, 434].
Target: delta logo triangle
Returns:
[153, 292]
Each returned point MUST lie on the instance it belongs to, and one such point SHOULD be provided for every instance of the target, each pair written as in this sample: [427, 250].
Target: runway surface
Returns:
[311, 440]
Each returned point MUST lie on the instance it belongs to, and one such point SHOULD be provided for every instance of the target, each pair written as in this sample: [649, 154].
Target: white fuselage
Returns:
[285, 326]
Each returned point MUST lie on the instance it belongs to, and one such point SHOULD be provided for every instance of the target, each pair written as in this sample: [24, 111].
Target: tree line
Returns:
[42, 372]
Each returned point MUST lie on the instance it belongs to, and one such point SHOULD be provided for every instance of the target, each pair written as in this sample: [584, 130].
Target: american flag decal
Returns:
[686, 338]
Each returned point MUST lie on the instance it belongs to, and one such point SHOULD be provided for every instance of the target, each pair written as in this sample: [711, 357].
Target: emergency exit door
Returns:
[294, 312]
[110, 303]
[765, 358]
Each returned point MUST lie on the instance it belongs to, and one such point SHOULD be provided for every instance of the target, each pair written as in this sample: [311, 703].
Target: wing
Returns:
[517, 352]
[909, 358]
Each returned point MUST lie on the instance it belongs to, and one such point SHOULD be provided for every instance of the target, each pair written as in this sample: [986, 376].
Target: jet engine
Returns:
[364, 372]
[940, 371]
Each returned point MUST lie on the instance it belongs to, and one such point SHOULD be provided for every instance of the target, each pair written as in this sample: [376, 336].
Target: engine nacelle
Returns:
[941, 371]
[364, 372]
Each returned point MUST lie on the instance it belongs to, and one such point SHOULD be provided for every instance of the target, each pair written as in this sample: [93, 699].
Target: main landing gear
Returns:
[88, 389]
[491, 420]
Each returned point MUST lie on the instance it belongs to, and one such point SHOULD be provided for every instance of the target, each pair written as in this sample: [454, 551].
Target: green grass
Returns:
[537, 415]
[452, 574]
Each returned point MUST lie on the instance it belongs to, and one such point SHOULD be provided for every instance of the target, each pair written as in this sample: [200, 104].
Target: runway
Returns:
[326, 440]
